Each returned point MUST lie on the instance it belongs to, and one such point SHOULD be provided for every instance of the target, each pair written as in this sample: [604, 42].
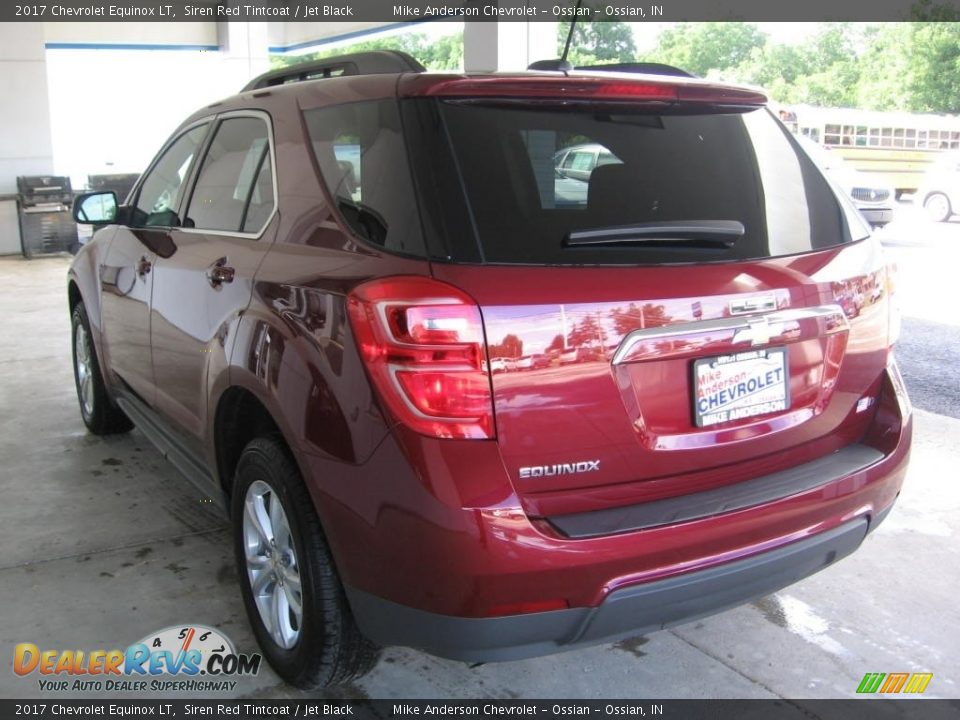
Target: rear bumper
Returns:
[876, 216]
[448, 563]
[629, 611]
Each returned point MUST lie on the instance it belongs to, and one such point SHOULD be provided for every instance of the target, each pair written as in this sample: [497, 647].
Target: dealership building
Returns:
[150, 75]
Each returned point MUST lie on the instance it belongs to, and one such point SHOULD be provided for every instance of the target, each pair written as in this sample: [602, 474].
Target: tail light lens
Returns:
[422, 342]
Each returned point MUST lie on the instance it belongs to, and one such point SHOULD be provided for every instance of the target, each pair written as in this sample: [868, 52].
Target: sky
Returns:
[644, 34]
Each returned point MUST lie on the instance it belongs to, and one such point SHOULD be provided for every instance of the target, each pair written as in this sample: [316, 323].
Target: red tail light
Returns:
[422, 342]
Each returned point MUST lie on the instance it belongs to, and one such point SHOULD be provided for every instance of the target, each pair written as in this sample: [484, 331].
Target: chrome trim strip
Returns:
[730, 325]
[762, 303]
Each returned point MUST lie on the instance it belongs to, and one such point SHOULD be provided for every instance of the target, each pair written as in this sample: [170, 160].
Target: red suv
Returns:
[301, 299]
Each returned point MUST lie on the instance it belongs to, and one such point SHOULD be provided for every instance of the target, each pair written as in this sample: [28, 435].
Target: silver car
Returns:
[871, 196]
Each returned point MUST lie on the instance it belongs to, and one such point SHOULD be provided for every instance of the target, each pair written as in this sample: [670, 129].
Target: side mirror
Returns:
[98, 208]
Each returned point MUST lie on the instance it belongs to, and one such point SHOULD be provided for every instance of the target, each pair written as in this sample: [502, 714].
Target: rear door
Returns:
[205, 281]
[705, 308]
[127, 270]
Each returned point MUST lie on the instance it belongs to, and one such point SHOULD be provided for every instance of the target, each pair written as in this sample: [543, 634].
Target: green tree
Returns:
[912, 66]
[444, 53]
[934, 67]
[597, 42]
[823, 70]
[700, 48]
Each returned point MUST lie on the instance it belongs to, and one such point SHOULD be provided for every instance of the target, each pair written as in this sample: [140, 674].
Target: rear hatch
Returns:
[707, 308]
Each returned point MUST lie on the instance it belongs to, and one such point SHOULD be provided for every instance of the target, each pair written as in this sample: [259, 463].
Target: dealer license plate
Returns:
[733, 387]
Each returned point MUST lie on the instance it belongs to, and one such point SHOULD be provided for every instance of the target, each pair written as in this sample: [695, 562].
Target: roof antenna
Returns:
[561, 65]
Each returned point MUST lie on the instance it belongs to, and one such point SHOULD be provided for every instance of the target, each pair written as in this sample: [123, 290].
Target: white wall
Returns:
[25, 147]
[111, 110]
[507, 46]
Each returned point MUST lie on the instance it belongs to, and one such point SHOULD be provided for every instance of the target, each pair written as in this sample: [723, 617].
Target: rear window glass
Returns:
[361, 153]
[532, 176]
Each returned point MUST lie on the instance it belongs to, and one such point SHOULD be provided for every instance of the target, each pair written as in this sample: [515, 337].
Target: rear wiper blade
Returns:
[704, 233]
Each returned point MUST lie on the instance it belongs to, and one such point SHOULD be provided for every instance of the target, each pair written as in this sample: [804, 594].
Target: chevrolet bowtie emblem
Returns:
[758, 332]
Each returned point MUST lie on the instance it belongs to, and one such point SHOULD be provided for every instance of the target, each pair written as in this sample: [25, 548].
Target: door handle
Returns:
[220, 273]
[143, 267]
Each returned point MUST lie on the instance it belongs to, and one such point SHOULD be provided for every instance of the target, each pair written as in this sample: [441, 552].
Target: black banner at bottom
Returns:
[855, 709]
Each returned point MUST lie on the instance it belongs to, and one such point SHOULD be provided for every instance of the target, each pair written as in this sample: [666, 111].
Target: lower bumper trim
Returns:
[768, 488]
[633, 610]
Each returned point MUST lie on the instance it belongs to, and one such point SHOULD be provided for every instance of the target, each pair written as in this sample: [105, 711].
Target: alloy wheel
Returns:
[84, 365]
[272, 565]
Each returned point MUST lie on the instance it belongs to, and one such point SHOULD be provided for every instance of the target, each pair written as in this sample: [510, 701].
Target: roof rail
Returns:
[375, 62]
[650, 68]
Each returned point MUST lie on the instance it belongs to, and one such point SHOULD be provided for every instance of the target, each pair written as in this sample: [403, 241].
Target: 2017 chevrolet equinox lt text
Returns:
[316, 300]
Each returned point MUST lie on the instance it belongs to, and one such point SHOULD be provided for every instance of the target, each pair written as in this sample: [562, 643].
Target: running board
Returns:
[183, 460]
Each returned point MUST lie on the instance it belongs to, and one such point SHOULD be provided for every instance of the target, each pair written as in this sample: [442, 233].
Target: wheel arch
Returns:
[83, 288]
[74, 297]
[240, 417]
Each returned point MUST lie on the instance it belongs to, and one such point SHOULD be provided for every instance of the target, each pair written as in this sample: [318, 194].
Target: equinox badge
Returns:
[560, 469]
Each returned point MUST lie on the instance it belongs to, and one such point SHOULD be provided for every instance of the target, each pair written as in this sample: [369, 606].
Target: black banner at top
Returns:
[917, 709]
[395, 11]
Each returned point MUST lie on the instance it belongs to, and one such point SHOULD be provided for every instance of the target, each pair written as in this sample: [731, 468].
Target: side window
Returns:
[162, 188]
[234, 189]
[582, 161]
[362, 156]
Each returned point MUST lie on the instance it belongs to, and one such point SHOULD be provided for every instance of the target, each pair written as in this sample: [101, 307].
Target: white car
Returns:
[939, 192]
[873, 198]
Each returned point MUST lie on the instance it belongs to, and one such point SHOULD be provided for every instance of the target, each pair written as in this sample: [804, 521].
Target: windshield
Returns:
[510, 184]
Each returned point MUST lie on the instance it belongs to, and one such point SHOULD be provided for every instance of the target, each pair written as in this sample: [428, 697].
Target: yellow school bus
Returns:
[897, 146]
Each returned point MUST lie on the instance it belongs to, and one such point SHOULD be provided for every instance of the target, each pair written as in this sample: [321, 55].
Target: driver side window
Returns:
[162, 188]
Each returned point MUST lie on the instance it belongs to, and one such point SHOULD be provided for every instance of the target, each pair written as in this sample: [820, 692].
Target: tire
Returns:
[322, 647]
[99, 414]
[937, 207]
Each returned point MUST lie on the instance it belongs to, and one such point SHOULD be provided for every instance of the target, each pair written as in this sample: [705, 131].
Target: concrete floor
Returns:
[103, 542]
